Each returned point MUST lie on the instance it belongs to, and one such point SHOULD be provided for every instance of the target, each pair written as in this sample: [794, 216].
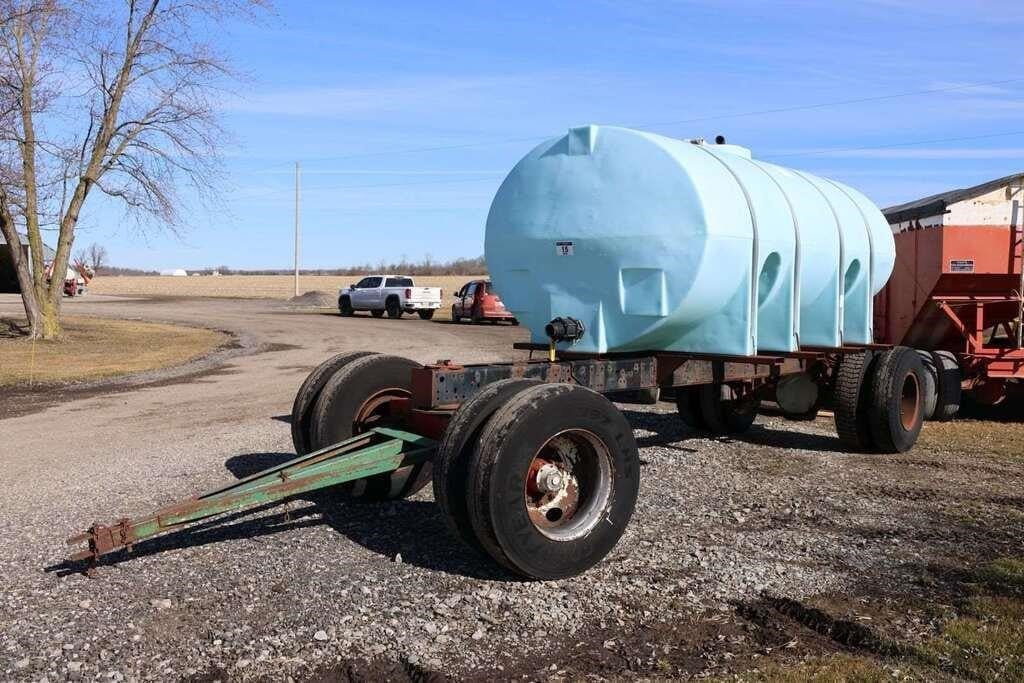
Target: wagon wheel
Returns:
[555, 481]
[896, 404]
[358, 398]
[305, 399]
[458, 448]
[725, 410]
[948, 377]
[851, 397]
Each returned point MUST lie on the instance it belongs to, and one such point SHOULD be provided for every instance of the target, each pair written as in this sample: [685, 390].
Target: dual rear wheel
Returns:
[542, 478]
[347, 395]
[719, 409]
[880, 400]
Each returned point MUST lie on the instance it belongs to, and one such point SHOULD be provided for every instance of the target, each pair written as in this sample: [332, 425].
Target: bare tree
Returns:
[114, 97]
[94, 256]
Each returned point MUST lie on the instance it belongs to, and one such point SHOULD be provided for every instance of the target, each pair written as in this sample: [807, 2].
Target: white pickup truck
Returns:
[391, 294]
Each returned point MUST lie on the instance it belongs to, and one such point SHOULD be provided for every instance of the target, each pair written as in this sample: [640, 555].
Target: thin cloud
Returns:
[342, 100]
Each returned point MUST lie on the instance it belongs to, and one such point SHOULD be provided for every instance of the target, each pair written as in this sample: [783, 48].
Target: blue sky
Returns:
[364, 94]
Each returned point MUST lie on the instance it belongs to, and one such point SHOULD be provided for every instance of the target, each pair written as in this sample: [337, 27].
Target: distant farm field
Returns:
[249, 286]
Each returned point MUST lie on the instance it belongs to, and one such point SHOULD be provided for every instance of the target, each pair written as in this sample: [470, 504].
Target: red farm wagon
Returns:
[956, 290]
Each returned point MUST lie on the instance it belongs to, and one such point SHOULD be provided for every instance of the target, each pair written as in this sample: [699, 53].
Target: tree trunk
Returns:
[49, 319]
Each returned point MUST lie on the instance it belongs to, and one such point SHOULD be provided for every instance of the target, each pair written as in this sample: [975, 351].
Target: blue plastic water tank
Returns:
[662, 244]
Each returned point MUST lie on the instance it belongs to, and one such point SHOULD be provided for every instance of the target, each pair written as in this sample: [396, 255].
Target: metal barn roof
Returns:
[937, 203]
[48, 253]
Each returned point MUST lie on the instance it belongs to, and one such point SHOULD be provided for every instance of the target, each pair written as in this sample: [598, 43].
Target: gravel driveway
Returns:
[732, 540]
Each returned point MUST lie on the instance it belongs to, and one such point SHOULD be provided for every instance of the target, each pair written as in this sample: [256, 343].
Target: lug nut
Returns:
[549, 479]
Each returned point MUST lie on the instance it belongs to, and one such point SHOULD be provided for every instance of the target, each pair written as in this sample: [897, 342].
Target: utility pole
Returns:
[297, 242]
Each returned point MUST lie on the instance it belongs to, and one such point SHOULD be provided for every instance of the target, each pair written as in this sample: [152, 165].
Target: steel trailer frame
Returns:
[437, 391]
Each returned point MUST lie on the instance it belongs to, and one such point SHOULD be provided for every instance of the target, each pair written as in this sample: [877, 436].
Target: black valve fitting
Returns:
[564, 329]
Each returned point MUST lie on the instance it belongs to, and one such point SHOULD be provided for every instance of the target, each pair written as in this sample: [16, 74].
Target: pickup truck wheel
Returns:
[377, 313]
[393, 307]
[345, 306]
[554, 482]
[355, 400]
[426, 314]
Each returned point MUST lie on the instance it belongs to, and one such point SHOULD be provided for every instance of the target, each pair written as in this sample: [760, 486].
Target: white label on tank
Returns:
[563, 248]
[961, 265]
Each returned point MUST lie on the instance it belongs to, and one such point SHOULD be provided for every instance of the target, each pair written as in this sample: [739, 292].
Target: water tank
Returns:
[657, 244]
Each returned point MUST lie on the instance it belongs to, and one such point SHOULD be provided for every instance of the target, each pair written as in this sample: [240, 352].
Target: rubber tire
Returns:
[336, 408]
[507, 446]
[455, 318]
[476, 316]
[515, 322]
[457, 450]
[345, 309]
[393, 308]
[947, 386]
[377, 313]
[890, 373]
[688, 407]
[850, 402]
[724, 416]
[305, 399]
[931, 384]
[426, 314]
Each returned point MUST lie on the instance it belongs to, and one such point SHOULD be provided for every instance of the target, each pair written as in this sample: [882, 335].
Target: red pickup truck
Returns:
[477, 301]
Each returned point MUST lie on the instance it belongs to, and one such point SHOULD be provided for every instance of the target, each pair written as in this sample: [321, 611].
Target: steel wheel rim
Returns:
[376, 410]
[910, 404]
[568, 484]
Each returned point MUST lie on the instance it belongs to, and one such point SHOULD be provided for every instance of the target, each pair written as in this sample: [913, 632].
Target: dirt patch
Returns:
[98, 348]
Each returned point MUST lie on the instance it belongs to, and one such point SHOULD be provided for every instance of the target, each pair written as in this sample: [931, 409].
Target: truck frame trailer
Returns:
[531, 462]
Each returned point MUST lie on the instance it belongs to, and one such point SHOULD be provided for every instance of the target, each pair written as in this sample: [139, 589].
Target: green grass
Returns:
[986, 642]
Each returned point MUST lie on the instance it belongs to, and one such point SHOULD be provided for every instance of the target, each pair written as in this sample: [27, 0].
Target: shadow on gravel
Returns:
[670, 431]
[410, 528]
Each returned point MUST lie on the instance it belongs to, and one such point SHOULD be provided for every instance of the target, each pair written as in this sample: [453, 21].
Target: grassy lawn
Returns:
[96, 348]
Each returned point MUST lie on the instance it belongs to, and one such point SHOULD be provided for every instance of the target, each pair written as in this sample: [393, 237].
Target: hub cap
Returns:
[569, 484]
[910, 404]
